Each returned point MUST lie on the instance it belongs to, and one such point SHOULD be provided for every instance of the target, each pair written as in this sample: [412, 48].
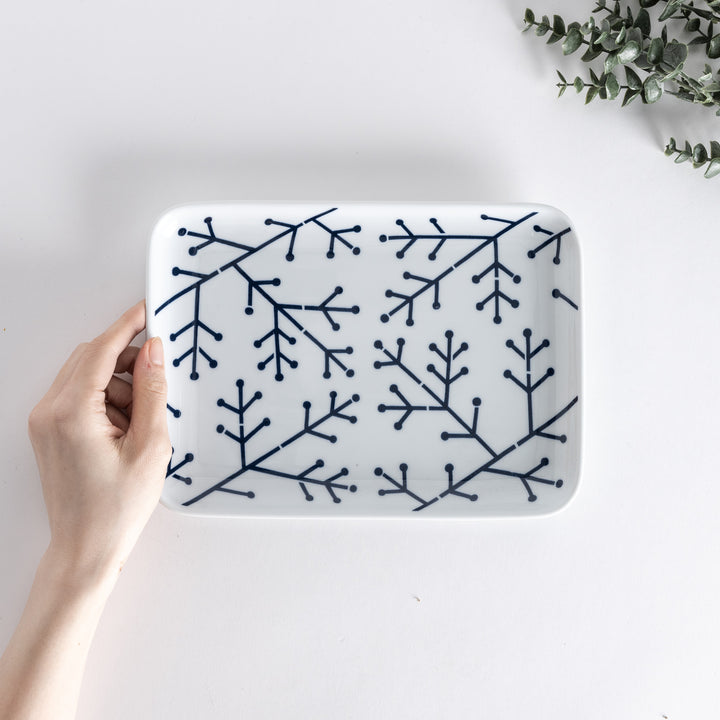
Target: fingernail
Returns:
[157, 357]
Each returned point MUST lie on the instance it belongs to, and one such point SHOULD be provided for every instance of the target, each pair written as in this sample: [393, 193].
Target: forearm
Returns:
[41, 669]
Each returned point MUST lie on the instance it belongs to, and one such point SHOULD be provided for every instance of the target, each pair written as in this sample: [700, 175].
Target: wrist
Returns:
[76, 575]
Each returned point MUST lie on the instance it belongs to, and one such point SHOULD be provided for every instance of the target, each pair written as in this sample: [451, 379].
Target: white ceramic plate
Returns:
[369, 358]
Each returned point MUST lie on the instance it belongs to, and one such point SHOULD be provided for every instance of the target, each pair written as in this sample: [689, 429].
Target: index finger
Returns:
[97, 365]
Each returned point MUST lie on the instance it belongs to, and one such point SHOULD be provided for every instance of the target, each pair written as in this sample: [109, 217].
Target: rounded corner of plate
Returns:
[173, 505]
[164, 219]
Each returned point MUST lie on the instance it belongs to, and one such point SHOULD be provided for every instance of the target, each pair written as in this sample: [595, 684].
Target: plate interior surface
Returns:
[369, 359]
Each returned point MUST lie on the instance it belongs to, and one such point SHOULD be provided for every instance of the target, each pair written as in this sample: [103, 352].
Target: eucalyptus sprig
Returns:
[699, 155]
[652, 61]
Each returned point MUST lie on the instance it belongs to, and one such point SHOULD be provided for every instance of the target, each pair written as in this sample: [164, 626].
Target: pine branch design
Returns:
[560, 296]
[172, 470]
[442, 402]
[553, 238]
[494, 268]
[245, 434]
[281, 311]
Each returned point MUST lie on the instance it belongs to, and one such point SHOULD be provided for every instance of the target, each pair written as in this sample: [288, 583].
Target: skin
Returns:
[102, 449]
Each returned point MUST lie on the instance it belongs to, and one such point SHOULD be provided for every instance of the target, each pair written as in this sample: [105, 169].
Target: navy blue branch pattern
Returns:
[277, 336]
[332, 357]
[493, 268]
[560, 296]
[552, 238]
[441, 401]
[172, 470]
[245, 432]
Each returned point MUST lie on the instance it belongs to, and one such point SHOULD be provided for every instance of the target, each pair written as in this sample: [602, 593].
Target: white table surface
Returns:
[111, 112]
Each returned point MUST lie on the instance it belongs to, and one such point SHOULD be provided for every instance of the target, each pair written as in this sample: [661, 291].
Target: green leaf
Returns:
[713, 168]
[590, 54]
[609, 44]
[642, 22]
[610, 62]
[593, 90]
[675, 53]
[620, 39]
[670, 75]
[670, 147]
[578, 84]
[699, 155]
[713, 47]
[632, 79]
[628, 52]
[714, 149]
[670, 9]
[572, 42]
[595, 79]
[558, 25]
[655, 51]
[588, 27]
[529, 16]
[688, 147]
[635, 35]
[692, 25]
[612, 86]
[541, 29]
[648, 3]
[683, 156]
[629, 96]
[561, 76]
[554, 37]
[705, 77]
[652, 89]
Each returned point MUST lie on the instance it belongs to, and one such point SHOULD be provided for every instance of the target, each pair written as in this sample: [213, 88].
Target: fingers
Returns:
[119, 393]
[126, 359]
[118, 418]
[148, 426]
[96, 365]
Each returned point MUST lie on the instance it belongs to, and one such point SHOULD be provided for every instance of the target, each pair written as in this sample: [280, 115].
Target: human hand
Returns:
[102, 448]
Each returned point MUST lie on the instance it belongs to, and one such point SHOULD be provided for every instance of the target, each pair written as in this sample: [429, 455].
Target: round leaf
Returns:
[655, 51]
[652, 89]
[612, 86]
[642, 22]
[713, 47]
[633, 79]
[675, 53]
[699, 155]
[572, 42]
[628, 52]
[713, 168]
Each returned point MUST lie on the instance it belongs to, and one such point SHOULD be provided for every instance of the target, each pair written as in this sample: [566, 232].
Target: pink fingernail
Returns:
[157, 356]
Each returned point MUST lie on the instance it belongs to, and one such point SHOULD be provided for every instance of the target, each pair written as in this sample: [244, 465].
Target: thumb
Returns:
[148, 424]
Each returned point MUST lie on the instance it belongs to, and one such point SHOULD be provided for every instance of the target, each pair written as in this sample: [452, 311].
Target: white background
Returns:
[113, 111]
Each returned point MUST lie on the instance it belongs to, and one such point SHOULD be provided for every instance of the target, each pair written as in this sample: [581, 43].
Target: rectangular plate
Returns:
[368, 358]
